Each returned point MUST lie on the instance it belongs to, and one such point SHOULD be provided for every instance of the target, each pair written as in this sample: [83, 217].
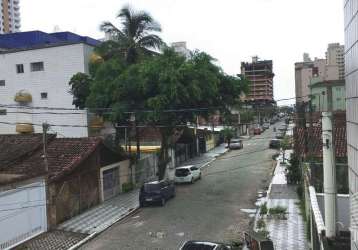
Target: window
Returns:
[37, 66]
[19, 68]
[44, 95]
[3, 112]
[2, 82]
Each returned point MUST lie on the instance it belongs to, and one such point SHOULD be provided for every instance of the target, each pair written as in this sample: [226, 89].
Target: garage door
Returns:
[110, 183]
[22, 214]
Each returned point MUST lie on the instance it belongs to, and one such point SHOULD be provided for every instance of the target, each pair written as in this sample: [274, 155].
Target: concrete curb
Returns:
[105, 227]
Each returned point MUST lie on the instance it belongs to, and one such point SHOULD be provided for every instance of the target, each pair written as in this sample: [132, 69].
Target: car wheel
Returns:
[162, 202]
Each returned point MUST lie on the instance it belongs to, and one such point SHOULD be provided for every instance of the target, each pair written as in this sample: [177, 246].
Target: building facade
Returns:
[319, 70]
[180, 47]
[351, 76]
[10, 16]
[260, 74]
[35, 70]
[335, 56]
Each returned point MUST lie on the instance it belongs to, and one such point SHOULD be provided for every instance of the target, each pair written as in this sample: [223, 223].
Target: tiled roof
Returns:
[63, 154]
[15, 147]
[314, 141]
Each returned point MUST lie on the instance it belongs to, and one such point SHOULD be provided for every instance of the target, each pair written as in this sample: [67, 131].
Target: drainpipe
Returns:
[329, 174]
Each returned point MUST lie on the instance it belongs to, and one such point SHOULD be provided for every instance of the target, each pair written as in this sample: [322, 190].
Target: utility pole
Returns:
[45, 128]
[329, 168]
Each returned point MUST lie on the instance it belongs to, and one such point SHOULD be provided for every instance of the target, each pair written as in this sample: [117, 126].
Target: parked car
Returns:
[266, 125]
[257, 131]
[280, 135]
[236, 144]
[156, 192]
[187, 174]
[275, 144]
[204, 245]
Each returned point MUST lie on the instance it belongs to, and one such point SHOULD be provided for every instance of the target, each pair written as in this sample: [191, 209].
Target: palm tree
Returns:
[135, 38]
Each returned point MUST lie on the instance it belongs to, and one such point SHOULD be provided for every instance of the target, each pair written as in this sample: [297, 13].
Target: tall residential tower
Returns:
[10, 16]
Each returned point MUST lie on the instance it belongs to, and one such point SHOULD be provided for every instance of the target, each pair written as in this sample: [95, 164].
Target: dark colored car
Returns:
[275, 143]
[203, 245]
[156, 192]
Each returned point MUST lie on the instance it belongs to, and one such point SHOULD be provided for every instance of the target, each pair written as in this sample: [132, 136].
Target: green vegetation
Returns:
[278, 210]
[126, 187]
[131, 77]
[228, 134]
[263, 209]
[294, 174]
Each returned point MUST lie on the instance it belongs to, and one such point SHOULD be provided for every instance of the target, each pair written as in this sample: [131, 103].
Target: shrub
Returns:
[126, 187]
[277, 210]
[261, 224]
[263, 209]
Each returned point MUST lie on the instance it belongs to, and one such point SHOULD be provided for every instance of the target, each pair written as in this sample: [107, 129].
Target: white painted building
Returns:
[180, 47]
[38, 76]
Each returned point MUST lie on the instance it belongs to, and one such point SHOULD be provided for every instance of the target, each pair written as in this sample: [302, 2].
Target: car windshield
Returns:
[182, 172]
[235, 140]
[150, 187]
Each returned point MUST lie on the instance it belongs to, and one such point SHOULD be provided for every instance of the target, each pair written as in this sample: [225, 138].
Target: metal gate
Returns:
[22, 214]
[110, 183]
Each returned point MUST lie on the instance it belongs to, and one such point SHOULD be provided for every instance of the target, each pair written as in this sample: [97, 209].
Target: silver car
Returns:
[236, 144]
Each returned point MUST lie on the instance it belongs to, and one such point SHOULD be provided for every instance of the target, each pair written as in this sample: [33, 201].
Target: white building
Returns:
[34, 74]
[180, 47]
[10, 16]
[351, 77]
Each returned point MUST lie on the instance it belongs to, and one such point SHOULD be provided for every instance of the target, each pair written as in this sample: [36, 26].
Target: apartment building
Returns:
[351, 76]
[335, 56]
[319, 70]
[35, 70]
[260, 74]
[180, 47]
[10, 16]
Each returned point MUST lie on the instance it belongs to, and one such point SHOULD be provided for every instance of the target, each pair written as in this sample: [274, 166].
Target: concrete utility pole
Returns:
[329, 169]
[45, 128]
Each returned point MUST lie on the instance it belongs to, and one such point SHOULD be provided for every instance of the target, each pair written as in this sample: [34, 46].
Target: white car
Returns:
[187, 174]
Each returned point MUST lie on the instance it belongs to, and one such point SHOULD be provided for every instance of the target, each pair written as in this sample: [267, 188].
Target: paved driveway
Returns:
[210, 209]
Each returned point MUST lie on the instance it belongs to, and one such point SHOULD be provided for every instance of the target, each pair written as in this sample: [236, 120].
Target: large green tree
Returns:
[134, 39]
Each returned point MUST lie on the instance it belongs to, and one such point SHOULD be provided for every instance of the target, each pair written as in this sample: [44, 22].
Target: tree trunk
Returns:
[163, 156]
[137, 139]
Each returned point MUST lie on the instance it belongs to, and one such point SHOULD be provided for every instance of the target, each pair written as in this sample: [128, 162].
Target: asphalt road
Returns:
[210, 209]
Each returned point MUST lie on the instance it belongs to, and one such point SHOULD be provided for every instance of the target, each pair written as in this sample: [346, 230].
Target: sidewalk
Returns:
[83, 227]
[286, 234]
[205, 159]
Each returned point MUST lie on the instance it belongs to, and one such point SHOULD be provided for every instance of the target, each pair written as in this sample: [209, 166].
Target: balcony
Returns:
[24, 128]
[95, 58]
[23, 97]
[97, 123]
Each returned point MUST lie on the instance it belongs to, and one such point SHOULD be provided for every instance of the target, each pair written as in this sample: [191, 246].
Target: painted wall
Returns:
[60, 64]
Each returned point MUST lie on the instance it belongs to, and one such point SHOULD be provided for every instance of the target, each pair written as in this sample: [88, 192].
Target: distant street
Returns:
[210, 209]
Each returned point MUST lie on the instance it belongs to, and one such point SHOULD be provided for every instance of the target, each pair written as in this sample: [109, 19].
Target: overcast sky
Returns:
[230, 30]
